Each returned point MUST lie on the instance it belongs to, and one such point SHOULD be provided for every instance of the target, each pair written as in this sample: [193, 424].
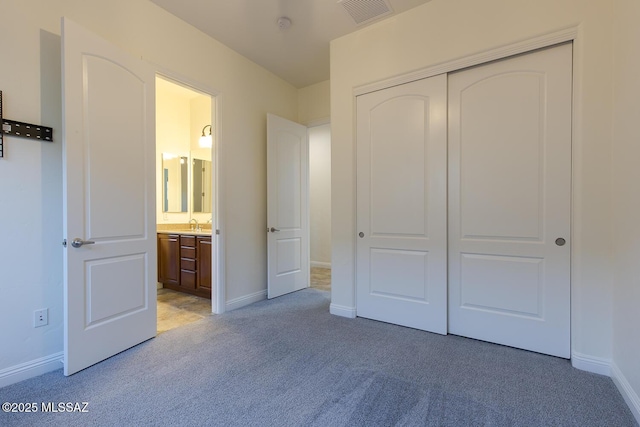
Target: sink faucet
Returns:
[197, 227]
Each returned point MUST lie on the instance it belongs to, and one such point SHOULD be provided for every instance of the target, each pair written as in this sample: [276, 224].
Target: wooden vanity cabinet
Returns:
[188, 262]
[169, 259]
[204, 265]
[186, 266]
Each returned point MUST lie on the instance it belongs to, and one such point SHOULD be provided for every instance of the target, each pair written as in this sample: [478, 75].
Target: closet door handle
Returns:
[273, 230]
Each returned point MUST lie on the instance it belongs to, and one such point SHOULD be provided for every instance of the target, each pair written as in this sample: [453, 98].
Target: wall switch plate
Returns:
[41, 317]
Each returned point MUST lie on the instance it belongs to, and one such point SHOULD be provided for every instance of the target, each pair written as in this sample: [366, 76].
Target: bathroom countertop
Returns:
[204, 232]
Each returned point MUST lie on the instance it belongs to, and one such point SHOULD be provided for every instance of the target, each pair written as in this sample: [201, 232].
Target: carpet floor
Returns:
[288, 362]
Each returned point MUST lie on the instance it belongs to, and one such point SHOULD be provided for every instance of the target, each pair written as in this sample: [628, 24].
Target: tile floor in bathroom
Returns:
[176, 309]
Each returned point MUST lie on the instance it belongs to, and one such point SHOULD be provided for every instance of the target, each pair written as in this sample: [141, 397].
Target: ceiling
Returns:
[300, 54]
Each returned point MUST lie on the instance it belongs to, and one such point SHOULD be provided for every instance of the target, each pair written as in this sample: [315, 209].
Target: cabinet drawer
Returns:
[188, 279]
[188, 252]
[188, 264]
[189, 241]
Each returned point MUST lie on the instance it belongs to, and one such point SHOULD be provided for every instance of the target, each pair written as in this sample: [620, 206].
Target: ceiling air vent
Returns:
[364, 11]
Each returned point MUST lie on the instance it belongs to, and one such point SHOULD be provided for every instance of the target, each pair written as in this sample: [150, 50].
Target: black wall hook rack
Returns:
[22, 130]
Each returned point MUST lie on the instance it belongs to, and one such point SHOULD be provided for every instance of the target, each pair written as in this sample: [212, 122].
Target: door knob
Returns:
[273, 230]
[361, 234]
[560, 241]
[77, 242]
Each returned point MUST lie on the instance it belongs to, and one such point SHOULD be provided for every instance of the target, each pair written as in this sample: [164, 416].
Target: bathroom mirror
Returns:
[175, 181]
[201, 182]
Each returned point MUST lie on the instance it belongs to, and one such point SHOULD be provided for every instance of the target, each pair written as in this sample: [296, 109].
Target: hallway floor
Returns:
[321, 278]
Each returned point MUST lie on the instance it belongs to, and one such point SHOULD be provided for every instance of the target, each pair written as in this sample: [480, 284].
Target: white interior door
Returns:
[510, 201]
[402, 205]
[109, 199]
[287, 206]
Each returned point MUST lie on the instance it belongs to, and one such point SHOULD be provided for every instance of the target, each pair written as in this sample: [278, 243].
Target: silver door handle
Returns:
[77, 242]
[273, 230]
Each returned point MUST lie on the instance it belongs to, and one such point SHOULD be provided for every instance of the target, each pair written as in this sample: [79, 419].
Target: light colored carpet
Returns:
[288, 362]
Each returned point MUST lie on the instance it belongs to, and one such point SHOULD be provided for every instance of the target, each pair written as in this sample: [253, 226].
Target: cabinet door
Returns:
[204, 266]
[188, 263]
[168, 258]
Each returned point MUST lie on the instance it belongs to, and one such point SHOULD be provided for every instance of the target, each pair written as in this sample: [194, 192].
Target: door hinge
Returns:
[217, 231]
[64, 243]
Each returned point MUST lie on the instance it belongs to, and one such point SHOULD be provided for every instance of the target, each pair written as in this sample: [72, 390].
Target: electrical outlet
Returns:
[41, 317]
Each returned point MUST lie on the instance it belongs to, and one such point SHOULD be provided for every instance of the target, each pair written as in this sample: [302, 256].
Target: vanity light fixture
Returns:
[206, 141]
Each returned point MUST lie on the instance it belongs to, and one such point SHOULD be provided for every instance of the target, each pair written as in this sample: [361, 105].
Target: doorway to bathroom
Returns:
[186, 203]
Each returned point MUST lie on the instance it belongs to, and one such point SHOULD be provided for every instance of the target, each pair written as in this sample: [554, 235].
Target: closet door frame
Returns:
[570, 34]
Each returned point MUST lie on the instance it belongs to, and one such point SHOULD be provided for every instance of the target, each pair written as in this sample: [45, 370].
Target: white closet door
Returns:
[510, 201]
[401, 205]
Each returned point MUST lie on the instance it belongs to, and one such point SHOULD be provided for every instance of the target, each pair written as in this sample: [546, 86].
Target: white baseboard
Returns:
[321, 264]
[343, 311]
[597, 365]
[630, 395]
[245, 300]
[30, 369]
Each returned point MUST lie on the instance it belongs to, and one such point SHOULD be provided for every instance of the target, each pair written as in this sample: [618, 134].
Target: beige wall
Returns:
[626, 196]
[173, 136]
[320, 195]
[314, 110]
[31, 177]
[313, 103]
[441, 31]
[202, 111]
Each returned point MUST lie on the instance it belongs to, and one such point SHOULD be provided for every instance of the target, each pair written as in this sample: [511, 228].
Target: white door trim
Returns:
[573, 34]
[502, 52]
[218, 289]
